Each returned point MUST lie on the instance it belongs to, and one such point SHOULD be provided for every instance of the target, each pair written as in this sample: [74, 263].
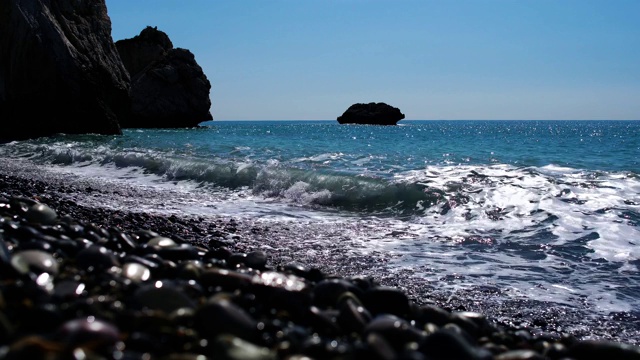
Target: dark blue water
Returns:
[590, 145]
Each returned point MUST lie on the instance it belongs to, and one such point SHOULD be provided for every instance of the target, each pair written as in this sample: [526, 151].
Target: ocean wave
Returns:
[560, 230]
[447, 192]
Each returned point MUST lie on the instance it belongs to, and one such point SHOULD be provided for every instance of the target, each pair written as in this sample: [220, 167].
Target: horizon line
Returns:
[429, 120]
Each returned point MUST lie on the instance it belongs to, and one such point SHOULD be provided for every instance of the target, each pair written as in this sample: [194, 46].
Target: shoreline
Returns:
[538, 320]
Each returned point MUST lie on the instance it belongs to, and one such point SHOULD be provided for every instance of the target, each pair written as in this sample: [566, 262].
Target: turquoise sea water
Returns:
[548, 210]
[359, 168]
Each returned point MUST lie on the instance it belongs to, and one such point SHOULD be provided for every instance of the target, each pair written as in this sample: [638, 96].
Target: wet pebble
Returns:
[35, 262]
[256, 260]
[96, 257]
[41, 214]
[88, 331]
[162, 295]
[220, 316]
[136, 272]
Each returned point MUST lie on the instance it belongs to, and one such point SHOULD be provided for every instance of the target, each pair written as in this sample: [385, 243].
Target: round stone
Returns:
[163, 296]
[256, 260]
[96, 256]
[396, 330]
[235, 348]
[136, 272]
[217, 317]
[327, 292]
[35, 261]
[386, 300]
[41, 214]
[162, 242]
[81, 331]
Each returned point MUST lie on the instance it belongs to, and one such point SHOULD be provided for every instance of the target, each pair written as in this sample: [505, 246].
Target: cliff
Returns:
[168, 87]
[60, 71]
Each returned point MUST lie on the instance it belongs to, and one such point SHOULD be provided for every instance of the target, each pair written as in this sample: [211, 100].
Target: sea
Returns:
[547, 211]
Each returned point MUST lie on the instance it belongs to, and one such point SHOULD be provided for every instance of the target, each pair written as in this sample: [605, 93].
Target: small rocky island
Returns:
[371, 114]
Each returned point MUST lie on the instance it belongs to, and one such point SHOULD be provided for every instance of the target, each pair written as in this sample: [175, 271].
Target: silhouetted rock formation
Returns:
[168, 87]
[60, 71]
[137, 53]
[371, 114]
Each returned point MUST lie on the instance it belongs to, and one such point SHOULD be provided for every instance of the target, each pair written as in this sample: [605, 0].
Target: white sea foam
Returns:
[565, 203]
[536, 233]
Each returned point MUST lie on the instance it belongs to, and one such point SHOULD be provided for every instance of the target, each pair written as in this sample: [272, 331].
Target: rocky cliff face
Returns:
[60, 71]
[371, 114]
[168, 87]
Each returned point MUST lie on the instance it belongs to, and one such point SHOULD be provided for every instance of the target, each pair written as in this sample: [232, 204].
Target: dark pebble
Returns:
[446, 344]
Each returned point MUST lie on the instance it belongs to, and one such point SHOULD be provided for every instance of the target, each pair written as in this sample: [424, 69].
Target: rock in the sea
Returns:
[60, 71]
[168, 87]
[371, 114]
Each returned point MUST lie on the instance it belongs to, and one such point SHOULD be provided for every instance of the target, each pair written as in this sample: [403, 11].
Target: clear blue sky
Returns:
[433, 59]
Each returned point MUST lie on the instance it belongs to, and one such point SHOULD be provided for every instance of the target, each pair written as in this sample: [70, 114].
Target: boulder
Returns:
[60, 71]
[371, 114]
[168, 87]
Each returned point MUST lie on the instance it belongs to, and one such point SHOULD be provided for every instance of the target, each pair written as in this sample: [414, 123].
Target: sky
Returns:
[433, 59]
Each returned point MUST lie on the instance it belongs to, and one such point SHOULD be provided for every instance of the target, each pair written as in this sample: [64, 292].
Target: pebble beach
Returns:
[95, 283]
[499, 220]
